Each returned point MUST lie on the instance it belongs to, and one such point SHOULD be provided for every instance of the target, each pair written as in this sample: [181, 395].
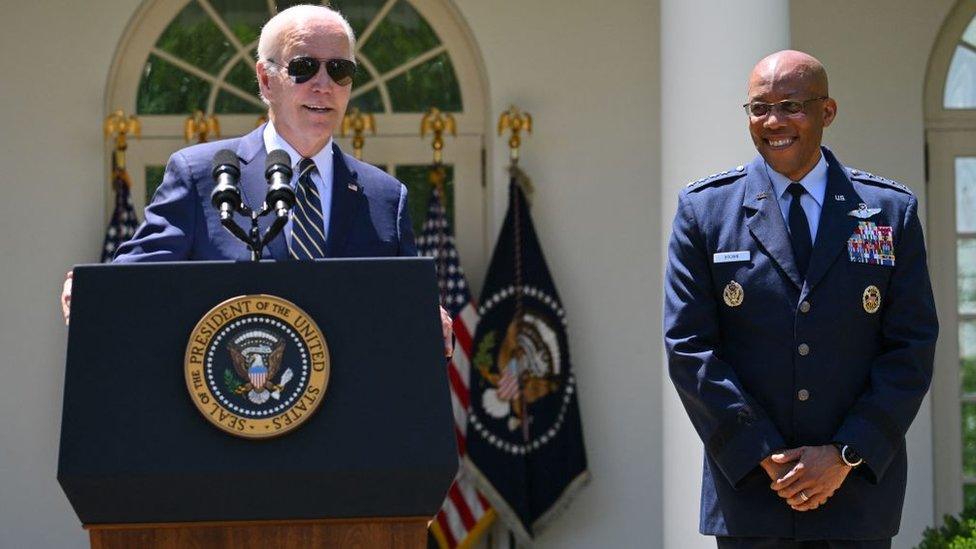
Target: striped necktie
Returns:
[307, 238]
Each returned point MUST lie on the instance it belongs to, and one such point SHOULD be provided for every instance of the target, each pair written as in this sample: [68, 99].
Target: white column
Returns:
[707, 50]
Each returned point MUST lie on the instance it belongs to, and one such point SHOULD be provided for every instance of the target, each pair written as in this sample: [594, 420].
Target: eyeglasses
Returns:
[787, 107]
[302, 69]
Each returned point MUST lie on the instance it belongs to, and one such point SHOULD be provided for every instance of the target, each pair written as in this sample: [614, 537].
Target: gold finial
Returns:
[201, 126]
[117, 125]
[359, 123]
[437, 122]
[515, 120]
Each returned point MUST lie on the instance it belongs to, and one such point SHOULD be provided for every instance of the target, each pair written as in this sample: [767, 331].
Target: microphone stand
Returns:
[253, 239]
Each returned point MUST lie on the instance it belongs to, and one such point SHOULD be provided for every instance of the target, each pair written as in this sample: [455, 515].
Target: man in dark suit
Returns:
[800, 329]
[344, 207]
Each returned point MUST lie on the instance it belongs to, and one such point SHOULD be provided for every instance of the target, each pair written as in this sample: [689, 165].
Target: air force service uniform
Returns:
[764, 359]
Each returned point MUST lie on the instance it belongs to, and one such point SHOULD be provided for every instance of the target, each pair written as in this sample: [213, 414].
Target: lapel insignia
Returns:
[871, 244]
[863, 212]
[871, 299]
[761, 196]
[733, 294]
[840, 198]
[353, 187]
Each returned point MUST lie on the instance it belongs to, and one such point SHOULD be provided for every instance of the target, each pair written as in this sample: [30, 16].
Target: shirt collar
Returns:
[323, 159]
[815, 182]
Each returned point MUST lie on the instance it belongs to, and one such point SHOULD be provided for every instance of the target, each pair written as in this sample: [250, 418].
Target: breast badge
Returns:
[256, 366]
[871, 299]
[871, 244]
[733, 294]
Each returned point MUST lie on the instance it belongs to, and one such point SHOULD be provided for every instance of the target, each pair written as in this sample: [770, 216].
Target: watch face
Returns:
[851, 456]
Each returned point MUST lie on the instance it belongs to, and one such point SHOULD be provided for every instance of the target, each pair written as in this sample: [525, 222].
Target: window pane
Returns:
[359, 13]
[960, 89]
[401, 36]
[966, 194]
[970, 34]
[166, 89]
[966, 273]
[432, 84]
[242, 76]
[154, 176]
[368, 102]
[967, 355]
[969, 439]
[244, 17]
[193, 37]
[418, 192]
[228, 103]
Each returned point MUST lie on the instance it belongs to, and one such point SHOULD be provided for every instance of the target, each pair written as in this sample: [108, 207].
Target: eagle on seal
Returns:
[259, 374]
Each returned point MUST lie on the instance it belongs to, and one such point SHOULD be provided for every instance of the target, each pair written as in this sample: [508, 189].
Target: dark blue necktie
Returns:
[307, 238]
[799, 230]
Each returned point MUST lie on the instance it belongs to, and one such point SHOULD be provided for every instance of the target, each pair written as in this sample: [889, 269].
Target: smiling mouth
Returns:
[780, 142]
[316, 108]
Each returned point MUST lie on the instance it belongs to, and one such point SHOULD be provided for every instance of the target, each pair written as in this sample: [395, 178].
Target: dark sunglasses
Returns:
[302, 69]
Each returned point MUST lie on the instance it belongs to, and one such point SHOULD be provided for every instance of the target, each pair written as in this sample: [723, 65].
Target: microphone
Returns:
[226, 197]
[277, 170]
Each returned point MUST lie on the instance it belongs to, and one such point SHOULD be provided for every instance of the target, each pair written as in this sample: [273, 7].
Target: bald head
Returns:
[794, 66]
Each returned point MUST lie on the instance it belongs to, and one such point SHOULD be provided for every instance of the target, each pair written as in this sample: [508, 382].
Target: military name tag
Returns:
[733, 294]
[256, 366]
[731, 257]
[871, 244]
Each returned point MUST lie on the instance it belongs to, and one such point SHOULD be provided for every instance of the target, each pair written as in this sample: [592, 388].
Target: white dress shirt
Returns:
[321, 177]
[815, 183]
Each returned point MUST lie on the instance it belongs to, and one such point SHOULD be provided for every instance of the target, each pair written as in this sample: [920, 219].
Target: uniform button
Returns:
[803, 395]
[803, 349]
[805, 307]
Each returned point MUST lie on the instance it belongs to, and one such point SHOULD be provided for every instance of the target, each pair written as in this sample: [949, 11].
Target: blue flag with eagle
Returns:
[525, 439]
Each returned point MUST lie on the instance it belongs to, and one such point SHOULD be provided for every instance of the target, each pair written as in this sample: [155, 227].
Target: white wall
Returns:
[587, 73]
[876, 53]
[55, 62]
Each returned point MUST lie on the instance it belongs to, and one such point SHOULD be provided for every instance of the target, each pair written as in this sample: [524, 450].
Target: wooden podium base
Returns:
[369, 533]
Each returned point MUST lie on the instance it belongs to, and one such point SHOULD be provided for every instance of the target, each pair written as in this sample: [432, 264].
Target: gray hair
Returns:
[270, 40]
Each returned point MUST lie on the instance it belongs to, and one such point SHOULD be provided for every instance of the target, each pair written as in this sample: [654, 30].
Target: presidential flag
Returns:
[465, 513]
[123, 223]
[525, 440]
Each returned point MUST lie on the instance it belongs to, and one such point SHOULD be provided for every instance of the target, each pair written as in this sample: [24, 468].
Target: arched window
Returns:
[951, 141]
[179, 56]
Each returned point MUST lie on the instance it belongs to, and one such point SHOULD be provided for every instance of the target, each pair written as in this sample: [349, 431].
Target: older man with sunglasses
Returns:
[800, 329]
[345, 208]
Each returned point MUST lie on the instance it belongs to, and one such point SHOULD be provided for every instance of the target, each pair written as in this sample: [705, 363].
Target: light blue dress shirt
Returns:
[321, 177]
[815, 183]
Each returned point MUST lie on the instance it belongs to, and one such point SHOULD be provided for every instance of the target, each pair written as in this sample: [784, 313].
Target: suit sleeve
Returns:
[901, 374]
[736, 432]
[167, 232]
[408, 247]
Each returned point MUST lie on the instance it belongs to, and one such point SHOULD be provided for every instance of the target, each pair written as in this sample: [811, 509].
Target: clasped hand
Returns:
[813, 471]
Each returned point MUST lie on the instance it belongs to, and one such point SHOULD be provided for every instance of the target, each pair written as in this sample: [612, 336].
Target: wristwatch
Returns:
[848, 455]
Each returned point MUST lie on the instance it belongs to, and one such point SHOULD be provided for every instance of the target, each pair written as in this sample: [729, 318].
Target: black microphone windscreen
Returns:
[226, 159]
[277, 159]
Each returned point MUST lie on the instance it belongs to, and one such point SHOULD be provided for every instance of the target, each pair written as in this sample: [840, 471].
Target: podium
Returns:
[143, 467]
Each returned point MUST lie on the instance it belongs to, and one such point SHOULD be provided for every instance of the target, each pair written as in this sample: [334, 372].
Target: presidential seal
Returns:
[256, 366]
[733, 294]
[871, 299]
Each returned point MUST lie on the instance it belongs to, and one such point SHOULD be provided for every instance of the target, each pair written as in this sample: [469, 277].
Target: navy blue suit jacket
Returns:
[369, 215]
[739, 371]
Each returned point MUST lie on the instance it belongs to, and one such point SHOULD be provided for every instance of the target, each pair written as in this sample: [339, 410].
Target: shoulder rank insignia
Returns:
[737, 171]
[871, 244]
[863, 212]
[871, 299]
[733, 294]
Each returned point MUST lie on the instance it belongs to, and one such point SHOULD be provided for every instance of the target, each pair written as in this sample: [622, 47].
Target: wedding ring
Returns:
[804, 496]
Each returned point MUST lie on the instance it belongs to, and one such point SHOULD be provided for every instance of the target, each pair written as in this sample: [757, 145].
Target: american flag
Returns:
[465, 513]
[123, 224]
[508, 385]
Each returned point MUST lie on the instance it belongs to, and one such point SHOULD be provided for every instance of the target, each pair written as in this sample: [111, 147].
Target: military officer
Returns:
[800, 329]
